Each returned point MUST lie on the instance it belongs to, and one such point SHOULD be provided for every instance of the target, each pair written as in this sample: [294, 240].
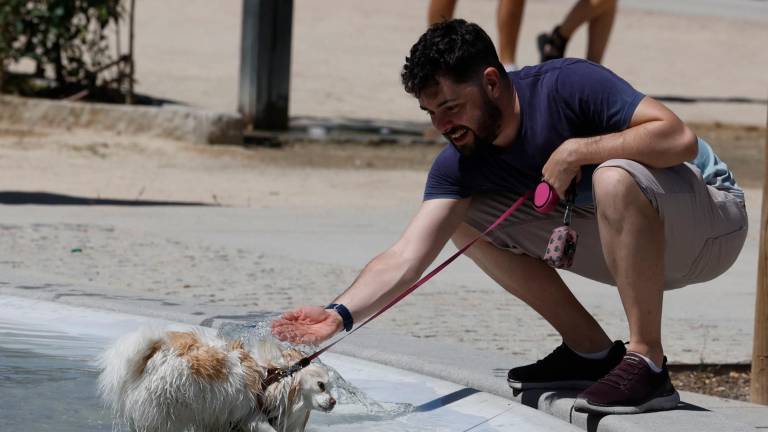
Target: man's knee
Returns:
[611, 182]
[616, 192]
[614, 186]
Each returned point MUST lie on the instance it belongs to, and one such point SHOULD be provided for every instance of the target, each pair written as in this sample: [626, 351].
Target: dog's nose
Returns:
[331, 402]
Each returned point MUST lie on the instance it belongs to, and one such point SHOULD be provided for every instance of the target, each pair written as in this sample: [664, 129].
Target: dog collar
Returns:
[276, 374]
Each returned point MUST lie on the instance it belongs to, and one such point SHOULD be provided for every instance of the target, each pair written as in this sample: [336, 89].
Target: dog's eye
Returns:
[321, 385]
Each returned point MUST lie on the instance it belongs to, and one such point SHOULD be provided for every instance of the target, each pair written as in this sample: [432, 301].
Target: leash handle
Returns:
[424, 279]
[545, 198]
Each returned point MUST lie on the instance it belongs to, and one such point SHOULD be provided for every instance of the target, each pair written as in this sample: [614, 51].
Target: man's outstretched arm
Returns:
[384, 278]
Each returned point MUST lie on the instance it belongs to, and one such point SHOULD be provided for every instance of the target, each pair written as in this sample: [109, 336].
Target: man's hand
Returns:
[386, 276]
[307, 325]
[561, 168]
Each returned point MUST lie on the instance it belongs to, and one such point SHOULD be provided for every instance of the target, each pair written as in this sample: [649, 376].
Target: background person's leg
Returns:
[538, 285]
[440, 10]
[600, 30]
[509, 18]
[585, 11]
[632, 235]
[600, 16]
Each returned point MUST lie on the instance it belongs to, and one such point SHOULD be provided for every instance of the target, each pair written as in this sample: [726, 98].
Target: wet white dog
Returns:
[159, 380]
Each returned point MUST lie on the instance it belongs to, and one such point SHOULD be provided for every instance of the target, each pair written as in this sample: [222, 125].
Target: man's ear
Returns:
[492, 82]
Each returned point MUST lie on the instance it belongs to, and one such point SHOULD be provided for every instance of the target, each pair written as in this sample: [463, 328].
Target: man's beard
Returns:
[486, 132]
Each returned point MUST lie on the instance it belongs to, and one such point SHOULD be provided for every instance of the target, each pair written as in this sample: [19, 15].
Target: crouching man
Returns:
[655, 209]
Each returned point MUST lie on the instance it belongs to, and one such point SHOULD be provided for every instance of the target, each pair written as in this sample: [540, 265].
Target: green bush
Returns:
[67, 39]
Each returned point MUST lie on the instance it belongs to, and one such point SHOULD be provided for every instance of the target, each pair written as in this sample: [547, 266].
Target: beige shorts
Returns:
[705, 228]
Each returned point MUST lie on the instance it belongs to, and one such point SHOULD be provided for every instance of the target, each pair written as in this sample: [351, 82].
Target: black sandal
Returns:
[552, 46]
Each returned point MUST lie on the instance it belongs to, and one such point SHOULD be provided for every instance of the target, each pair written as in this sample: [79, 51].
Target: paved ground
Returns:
[289, 235]
[246, 260]
[347, 54]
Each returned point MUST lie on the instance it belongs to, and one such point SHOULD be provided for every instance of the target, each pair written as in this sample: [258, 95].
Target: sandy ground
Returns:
[313, 175]
[97, 165]
[347, 54]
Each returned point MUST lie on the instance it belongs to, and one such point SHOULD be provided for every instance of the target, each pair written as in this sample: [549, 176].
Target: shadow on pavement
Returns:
[45, 198]
[709, 99]
[445, 400]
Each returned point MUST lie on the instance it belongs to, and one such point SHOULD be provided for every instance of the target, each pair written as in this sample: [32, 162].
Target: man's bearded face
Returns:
[487, 127]
[464, 114]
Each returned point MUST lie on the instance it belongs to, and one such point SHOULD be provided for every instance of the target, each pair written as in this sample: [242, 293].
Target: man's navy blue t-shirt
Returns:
[559, 99]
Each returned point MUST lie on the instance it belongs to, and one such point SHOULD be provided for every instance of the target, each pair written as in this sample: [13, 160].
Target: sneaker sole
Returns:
[551, 385]
[658, 404]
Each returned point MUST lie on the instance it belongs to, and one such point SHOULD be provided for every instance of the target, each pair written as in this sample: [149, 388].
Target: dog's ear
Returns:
[150, 351]
[294, 391]
[253, 373]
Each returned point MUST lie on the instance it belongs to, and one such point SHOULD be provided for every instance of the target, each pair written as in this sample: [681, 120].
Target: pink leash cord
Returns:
[305, 361]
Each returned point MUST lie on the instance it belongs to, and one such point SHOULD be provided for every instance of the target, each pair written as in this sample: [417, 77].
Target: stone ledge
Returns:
[168, 121]
[486, 372]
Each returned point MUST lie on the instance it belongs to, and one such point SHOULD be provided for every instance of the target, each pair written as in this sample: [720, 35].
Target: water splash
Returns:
[355, 404]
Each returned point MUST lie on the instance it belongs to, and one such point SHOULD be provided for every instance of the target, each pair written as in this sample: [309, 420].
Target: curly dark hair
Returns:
[454, 49]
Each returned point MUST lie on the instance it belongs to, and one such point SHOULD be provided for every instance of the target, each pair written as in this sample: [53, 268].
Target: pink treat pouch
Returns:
[561, 247]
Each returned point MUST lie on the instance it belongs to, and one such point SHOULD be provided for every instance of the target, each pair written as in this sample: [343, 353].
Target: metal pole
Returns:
[265, 61]
[759, 376]
[131, 71]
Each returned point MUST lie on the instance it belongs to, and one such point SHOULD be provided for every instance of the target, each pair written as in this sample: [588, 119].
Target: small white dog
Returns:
[160, 380]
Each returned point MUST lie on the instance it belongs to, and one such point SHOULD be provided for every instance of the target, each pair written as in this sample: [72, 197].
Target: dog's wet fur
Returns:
[160, 380]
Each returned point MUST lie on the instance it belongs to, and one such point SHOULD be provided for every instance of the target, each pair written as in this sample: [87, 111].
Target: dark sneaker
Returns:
[631, 388]
[564, 369]
[552, 45]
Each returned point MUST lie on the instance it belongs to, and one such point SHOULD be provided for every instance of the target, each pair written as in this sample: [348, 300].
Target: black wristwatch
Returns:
[344, 313]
